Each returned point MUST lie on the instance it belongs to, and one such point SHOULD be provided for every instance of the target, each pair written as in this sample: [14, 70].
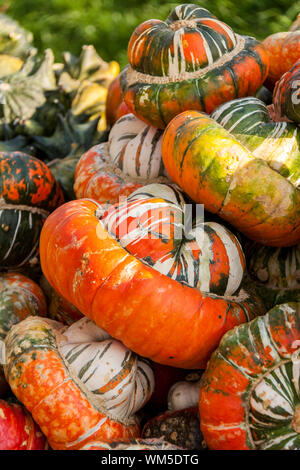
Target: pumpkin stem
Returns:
[296, 420]
[183, 24]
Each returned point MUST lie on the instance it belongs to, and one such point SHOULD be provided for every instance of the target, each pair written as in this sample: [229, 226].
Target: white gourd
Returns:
[107, 368]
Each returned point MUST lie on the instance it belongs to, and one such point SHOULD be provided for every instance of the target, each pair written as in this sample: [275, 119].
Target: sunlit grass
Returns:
[68, 24]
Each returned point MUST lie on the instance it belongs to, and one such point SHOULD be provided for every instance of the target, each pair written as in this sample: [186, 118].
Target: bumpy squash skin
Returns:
[187, 73]
[18, 431]
[180, 427]
[284, 50]
[20, 297]
[97, 178]
[28, 184]
[43, 381]
[286, 96]
[214, 169]
[153, 315]
[228, 395]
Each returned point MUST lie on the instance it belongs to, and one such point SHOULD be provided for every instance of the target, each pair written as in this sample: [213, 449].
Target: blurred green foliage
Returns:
[107, 24]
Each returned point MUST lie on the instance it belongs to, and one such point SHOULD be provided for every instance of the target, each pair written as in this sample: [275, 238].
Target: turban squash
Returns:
[286, 96]
[20, 297]
[155, 315]
[28, 193]
[250, 395]
[79, 384]
[130, 159]
[201, 64]
[283, 50]
[245, 169]
[18, 431]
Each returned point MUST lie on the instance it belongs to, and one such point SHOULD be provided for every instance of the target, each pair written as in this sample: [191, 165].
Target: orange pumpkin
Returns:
[152, 314]
[284, 50]
[49, 368]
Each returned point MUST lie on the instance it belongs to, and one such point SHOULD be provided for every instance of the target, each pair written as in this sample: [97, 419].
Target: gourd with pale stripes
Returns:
[155, 225]
[28, 193]
[275, 271]
[278, 143]
[133, 444]
[250, 396]
[286, 94]
[124, 381]
[131, 158]
[191, 60]
[135, 148]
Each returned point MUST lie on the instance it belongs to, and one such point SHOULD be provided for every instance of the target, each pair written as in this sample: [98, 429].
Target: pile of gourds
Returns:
[155, 302]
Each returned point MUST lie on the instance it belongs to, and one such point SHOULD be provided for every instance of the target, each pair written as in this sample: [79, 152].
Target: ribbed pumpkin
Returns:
[20, 297]
[133, 444]
[275, 271]
[18, 431]
[152, 225]
[286, 96]
[130, 159]
[151, 313]
[278, 143]
[250, 395]
[215, 169]
[180, 427]
[190, 61]
[28, 192]
[284, 50]
[79, 383]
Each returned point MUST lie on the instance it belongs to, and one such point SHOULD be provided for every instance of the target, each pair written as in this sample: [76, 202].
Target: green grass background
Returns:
[107, 24]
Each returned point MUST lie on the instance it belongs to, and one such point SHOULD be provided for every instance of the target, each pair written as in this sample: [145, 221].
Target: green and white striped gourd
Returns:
[278, 143]
[111, 371]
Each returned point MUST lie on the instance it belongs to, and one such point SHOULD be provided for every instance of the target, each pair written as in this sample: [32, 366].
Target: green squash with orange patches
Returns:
[28, 193]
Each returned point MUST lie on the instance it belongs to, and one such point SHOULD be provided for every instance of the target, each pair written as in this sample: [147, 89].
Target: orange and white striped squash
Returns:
[191, 60]
[154, 315]
[79, 384]
[150, 226]
[250, 394]
[130, 159]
